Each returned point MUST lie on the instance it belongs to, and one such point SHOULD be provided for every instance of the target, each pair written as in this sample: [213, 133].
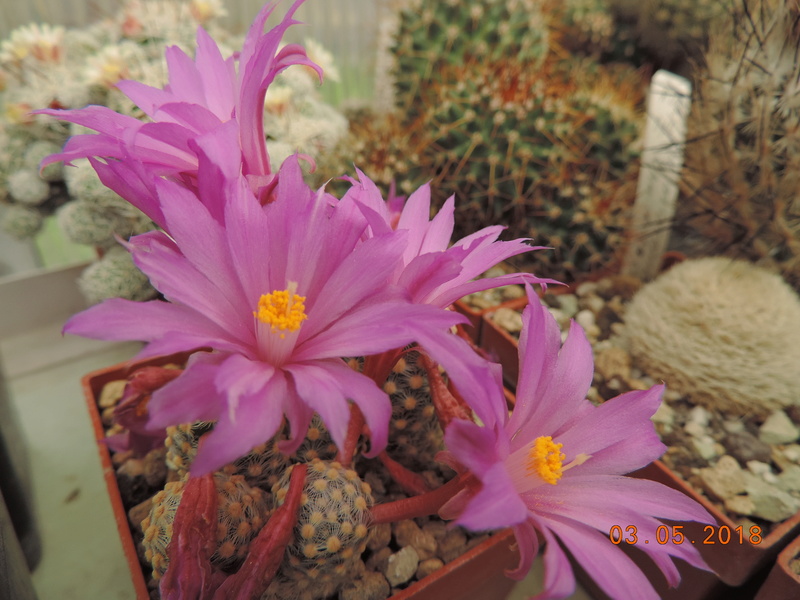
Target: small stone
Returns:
[379, 560]
[401, 566]
[789, 478]
[568, 304]
[759, 468]
[733, 426]
[586, 288]
[745, 447]
[138, 513]
[155, 467]
[772, 503]
[612, 362]
[111, 393]
[370, 586]
[725, 479]
[512, 292]
[408, 533]
[586, 319]
[778, 429]
[508, 319]
[742, 505]
[665, 414]
[671, 395]
[705, 446]
[452, 545]
[607, 318]
[437, 529]
[380, 536]
[694, 429]
[699, 415]
[428, 566]
[592, 303]
[792, 452]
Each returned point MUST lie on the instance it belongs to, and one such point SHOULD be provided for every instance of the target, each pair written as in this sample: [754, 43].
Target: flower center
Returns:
[545, 459]
[282, 310]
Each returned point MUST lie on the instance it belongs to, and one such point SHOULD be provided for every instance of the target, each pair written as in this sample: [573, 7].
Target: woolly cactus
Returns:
[331, 532]
[21, 221]
[723, 332]
[114, 276]
[241, 511]
[742, 166]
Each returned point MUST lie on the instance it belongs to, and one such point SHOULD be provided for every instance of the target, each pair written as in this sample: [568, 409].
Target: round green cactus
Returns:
[115, 276]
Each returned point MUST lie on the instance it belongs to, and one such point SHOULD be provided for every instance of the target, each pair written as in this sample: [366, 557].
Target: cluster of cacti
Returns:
[741, 184]
[522, 132]
[333, 522]
[43, 66]
[723, 332]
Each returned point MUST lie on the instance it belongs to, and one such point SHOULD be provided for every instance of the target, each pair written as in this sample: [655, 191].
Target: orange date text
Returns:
[673, 534]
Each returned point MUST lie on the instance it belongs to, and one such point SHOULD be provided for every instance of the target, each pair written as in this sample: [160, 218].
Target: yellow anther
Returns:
[545, 459]
[283, 310]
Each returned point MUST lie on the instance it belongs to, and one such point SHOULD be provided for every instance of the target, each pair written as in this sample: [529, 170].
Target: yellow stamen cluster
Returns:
[283, 310]
[545, 459]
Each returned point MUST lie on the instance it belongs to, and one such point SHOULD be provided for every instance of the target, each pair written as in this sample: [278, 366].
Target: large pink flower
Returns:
[280, 292]
[201, 96]
[556, 467]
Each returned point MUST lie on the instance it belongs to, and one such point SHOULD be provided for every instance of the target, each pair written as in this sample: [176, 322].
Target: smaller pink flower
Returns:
[556, 469]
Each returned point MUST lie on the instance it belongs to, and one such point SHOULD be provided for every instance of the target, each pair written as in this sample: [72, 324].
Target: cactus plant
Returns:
[241, 511]
[742, 162]
[331, 530]
[722, 331]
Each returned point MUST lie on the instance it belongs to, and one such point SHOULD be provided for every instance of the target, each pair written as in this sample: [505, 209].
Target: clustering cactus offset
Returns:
[115, 276]
[724, 332]
[331, 531]
[414, 432]
[241, 510]
[741, 176]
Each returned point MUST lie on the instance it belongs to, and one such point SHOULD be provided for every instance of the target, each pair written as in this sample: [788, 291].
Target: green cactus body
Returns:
[241, 510]
[115, 276]
[414, 432]
[522, 134]
[331, 532]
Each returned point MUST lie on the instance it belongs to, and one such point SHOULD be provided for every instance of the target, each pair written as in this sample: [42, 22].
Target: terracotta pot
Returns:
[478, 573]
[782, 583]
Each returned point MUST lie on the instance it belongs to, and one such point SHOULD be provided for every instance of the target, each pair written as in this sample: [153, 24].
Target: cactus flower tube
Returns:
[556, 468]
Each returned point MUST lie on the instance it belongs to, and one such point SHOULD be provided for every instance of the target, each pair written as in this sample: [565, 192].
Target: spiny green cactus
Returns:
[451, 33]
[241, 511]
[743, 159]
[331, 531]
[414, 432]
